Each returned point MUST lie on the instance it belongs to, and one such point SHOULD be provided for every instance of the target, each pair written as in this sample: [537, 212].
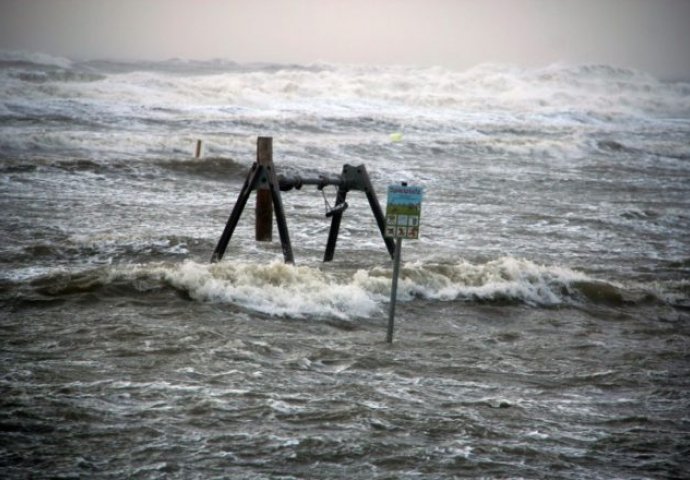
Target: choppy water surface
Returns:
[542, 320]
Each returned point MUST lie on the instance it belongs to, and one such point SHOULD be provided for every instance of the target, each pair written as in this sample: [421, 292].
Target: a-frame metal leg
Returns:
[258, 175]
[249, 184]
[280, 219]
[378, 214]
[335, 225]
[356, 178]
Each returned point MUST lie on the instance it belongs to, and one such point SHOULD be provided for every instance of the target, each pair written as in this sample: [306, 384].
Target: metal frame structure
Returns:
[263, 179]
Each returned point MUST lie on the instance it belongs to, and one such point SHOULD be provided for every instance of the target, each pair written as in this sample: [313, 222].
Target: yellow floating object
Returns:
[396, 137]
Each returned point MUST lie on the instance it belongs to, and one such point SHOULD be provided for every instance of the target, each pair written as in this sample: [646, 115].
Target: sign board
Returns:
[403, 211]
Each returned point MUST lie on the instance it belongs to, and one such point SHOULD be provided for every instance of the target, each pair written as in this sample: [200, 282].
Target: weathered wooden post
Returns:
[198, 149]
[264, 201]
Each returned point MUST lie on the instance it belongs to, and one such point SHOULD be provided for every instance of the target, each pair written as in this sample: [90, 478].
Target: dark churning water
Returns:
[542, 326]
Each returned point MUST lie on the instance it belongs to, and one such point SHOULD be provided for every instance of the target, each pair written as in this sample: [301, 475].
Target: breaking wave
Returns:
[278, 289]
[599, 90]
[113, 110]
[504, 280]
[33, 58]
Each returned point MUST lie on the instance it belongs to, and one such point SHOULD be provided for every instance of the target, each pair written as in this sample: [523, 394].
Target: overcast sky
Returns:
[649, 35]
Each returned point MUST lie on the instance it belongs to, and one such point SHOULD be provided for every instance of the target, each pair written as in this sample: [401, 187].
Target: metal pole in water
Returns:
[394, 289]
[198, 149]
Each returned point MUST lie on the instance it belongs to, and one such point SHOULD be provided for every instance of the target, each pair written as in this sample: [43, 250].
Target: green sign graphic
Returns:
[403, 211]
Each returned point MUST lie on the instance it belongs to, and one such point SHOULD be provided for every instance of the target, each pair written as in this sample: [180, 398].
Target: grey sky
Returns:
[649, 35]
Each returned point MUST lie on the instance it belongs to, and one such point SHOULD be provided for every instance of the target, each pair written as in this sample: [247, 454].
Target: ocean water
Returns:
[542, 322]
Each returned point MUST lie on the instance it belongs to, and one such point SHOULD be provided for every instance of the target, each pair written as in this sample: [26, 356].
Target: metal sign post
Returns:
[403, 211]
[394, 289]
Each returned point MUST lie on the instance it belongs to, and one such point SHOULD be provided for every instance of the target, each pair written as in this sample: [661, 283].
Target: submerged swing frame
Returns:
[263, 179]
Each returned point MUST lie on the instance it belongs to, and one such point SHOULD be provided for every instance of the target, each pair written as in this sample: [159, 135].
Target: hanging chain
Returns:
[325, 201]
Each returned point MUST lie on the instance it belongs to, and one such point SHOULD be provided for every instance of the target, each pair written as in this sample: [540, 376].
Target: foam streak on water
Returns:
[542, 320]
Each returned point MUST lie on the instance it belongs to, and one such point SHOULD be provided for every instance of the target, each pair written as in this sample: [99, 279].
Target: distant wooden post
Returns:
[264, 202]
[198, 149]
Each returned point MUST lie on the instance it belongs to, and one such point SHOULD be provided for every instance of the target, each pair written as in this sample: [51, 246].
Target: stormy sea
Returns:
[542, 325]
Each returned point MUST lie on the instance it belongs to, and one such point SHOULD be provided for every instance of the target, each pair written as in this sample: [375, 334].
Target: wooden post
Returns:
[264, 201]
[198, 149]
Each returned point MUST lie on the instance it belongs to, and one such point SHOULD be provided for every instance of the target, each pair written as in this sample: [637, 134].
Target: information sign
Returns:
[403, 211]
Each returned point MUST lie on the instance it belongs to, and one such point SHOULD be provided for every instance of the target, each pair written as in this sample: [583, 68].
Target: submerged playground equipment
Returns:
[263, 178]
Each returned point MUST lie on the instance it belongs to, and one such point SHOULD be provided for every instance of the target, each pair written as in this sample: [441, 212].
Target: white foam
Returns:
[284, 290]
[505, 278]
[143, 107]
[275, 289]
